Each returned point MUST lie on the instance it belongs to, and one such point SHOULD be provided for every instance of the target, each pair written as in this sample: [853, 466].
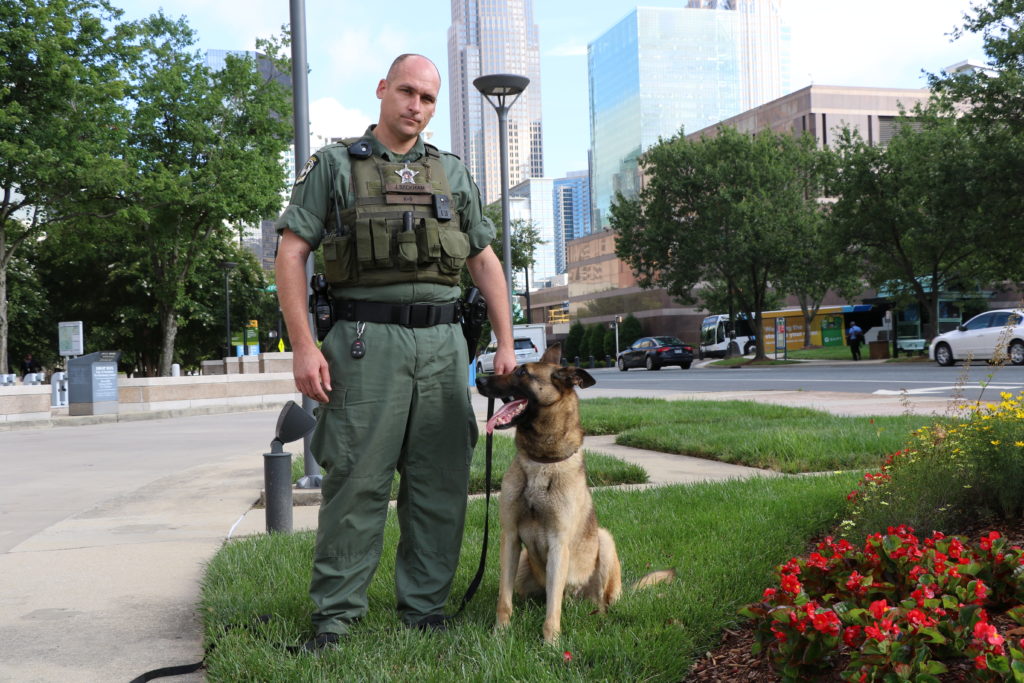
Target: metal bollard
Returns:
[59, 390]
[591, 365]
[277, 485]
[175, 370]
[8, 380]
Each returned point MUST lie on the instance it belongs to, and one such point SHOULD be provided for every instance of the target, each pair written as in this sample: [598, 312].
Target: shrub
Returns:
[952, 473]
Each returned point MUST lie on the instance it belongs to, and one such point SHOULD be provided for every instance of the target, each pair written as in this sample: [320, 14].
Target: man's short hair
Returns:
[402, 57]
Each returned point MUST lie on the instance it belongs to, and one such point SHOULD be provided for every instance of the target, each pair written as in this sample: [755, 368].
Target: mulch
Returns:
[733, 660]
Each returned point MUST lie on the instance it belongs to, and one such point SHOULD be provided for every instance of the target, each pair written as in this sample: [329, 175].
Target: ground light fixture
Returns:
[292, 424]
[502, 91]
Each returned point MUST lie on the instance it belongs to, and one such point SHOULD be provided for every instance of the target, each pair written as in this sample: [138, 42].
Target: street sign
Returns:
[70, 339]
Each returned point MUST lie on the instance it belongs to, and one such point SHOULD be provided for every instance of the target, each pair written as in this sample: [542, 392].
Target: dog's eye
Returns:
[520, 371]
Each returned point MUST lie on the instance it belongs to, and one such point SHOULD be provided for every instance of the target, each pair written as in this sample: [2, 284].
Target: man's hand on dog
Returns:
[504, 359]
[312, 376]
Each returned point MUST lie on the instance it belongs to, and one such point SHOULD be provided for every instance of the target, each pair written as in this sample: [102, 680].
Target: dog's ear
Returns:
[574, 377]
[582, 378]
[553, 354]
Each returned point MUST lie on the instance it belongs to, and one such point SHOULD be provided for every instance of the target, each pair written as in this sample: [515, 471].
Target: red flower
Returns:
[980, 662]
[919, 619]
[878, 608]
[817, 560]
[791, 584]
[851, 634]
[986, 541]
[566, 656]
[826, 622]
[987, 633]
[769, 593]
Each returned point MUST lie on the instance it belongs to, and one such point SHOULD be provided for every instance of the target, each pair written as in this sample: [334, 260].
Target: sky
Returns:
[876, 43]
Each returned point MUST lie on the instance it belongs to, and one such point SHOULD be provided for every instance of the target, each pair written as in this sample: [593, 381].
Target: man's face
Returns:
[407, 101]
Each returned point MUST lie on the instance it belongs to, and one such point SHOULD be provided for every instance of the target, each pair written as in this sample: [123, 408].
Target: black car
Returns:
[654, 353]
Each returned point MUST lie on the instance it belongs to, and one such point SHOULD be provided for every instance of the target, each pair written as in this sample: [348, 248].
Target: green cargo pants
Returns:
[405, 405]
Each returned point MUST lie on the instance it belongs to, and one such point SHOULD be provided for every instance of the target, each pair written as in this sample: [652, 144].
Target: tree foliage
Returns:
[204, 151]
[60, 84]
[914, 210]
[721, 209]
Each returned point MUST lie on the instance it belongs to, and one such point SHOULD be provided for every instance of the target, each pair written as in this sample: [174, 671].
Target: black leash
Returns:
[475, 583]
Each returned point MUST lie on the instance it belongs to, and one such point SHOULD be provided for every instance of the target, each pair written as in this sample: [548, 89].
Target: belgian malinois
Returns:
[550, 540]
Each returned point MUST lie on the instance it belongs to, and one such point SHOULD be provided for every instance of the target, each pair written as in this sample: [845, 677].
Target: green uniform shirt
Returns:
[309, 205]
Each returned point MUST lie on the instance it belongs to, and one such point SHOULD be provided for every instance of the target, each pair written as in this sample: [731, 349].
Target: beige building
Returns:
[600, 286]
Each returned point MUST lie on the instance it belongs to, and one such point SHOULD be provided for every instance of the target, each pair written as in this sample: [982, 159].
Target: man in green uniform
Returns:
[397, 219]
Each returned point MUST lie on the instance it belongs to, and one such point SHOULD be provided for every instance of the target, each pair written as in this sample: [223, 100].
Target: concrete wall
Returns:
[244, 389]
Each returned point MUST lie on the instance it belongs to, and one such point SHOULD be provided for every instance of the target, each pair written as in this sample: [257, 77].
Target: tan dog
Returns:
[550, 540]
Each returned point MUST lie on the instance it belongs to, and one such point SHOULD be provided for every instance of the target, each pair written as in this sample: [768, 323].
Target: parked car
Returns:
[983, 337]
[526, 352]
[654, 353]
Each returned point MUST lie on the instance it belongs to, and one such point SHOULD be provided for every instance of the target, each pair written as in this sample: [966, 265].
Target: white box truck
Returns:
[529, 340]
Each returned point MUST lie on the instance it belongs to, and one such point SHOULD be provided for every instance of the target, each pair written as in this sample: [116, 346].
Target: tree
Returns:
[60, 88]
[719, 209]
[989, 107]
[573, 341]
[204, 148]
[829, 263]
[525, 239]
[630, 331]
[914, 211]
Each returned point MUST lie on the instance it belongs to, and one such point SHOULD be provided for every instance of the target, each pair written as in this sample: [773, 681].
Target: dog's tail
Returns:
[661, 576]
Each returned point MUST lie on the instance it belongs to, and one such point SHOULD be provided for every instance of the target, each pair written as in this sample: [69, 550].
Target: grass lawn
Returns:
[762, 435]
[723, 539]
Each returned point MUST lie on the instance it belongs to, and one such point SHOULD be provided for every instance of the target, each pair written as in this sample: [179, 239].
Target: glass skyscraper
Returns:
[660, 71]
[491, 37]
[572, 211]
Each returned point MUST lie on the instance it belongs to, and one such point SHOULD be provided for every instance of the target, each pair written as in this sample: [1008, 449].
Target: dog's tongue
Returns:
[505, 414]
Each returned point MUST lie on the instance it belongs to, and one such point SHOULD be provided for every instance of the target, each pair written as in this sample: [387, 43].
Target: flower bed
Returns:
[898, 608]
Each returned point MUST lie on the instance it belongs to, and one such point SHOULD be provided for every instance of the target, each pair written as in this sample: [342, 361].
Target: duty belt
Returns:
[409, 315]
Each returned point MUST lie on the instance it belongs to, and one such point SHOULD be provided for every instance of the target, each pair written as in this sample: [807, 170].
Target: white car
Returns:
[526, 352]
[983, 337]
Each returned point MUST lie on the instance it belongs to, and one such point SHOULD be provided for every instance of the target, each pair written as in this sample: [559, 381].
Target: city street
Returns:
[864, 377]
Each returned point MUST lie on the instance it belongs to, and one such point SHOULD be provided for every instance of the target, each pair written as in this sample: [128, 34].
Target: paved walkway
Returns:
[107, 593]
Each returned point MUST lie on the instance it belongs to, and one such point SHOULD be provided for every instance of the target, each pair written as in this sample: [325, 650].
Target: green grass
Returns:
[723, 539]
[602, 470]
[779, 438]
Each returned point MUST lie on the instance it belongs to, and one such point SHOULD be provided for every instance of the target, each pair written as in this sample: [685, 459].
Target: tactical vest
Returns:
[403, 227]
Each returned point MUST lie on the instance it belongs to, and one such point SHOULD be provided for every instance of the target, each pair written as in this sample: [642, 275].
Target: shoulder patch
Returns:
[310, 165]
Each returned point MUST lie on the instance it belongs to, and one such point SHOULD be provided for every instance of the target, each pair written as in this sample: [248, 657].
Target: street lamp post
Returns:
[497, 89]
[228, 266]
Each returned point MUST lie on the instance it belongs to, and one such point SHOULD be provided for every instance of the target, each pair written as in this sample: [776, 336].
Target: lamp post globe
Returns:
[497, 89]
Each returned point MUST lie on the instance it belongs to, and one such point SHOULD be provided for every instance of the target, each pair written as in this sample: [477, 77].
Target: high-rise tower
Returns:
[660, 70]
[490, 37]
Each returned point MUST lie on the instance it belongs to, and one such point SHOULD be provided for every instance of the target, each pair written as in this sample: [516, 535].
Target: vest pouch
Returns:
[339, 259]
[373, 244]
[454, 251]
[428, 241]
[406, 250]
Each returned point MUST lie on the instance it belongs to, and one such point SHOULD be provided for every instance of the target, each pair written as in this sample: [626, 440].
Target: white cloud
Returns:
[360, 55]
[328, 118]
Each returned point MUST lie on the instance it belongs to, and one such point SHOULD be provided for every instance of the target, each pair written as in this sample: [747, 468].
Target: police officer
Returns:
[397, 219]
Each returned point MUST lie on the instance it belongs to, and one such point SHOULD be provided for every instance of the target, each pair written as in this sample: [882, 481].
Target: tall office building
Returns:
[660, 70]
[493, 37]
[572, 211]
[531, 200]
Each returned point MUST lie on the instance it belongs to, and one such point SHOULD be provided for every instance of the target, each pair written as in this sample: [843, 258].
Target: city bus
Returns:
[714, 335]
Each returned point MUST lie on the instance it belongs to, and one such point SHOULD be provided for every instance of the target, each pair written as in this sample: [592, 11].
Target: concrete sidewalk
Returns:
[109, 593]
